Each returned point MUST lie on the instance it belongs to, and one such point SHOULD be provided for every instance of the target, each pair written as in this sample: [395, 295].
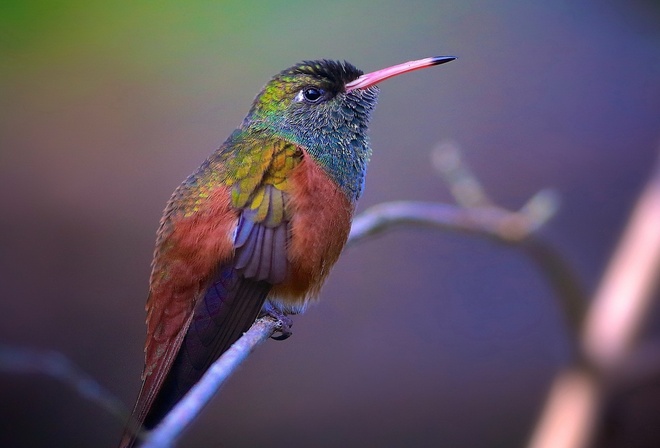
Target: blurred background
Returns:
[421, 338]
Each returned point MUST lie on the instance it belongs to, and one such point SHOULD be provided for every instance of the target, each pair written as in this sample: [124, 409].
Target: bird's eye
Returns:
[312, 94]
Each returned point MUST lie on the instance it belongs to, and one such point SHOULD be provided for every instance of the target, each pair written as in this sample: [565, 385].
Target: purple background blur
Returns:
[421, 338]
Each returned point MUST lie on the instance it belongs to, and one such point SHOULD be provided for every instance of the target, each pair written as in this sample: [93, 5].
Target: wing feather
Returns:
[222, 245]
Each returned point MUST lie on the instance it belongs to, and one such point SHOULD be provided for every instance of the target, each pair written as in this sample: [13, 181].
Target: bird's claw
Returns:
[284, 322]
[284, 330]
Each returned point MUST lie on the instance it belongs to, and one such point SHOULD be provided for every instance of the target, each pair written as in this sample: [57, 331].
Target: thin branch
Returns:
[498, 224]
[177, 420]
[492, 222]
[568, 290]
[521, 229]
[56, 365]
[477, 214]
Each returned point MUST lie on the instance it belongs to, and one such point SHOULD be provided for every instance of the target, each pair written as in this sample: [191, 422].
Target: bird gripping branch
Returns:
[257, 228]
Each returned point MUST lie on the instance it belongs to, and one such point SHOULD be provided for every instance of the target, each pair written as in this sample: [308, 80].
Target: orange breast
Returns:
[320, 222]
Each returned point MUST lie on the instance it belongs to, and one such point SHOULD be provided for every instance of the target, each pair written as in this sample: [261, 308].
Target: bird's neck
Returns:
[343, 159]
[343, 155]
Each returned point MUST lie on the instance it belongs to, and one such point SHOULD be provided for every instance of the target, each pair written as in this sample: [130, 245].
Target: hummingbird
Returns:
[258, 226]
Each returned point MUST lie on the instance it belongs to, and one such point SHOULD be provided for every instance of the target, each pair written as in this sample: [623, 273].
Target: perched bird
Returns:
[259, 225]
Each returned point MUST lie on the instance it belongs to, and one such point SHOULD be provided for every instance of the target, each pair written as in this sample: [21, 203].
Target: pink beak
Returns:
[374, 78]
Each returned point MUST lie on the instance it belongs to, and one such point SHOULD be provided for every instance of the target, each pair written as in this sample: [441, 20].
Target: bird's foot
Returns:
[285, 322]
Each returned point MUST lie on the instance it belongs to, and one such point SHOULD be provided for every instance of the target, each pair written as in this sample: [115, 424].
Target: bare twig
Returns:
[492, 222]
[512, 228]
[477, 214]
[51, 363]
[170, 429]
[568, 290]
[519, 228]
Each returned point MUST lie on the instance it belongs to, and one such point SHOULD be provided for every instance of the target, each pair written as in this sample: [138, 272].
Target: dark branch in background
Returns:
[54, 364]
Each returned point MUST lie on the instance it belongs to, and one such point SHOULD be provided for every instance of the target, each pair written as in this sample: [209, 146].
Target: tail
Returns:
[229, 307]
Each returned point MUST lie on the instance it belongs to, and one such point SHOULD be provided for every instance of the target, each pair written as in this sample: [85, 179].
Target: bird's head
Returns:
[325, 106]
[309, 102]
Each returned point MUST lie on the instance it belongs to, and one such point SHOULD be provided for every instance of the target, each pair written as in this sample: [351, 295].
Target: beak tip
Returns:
[437, 60]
